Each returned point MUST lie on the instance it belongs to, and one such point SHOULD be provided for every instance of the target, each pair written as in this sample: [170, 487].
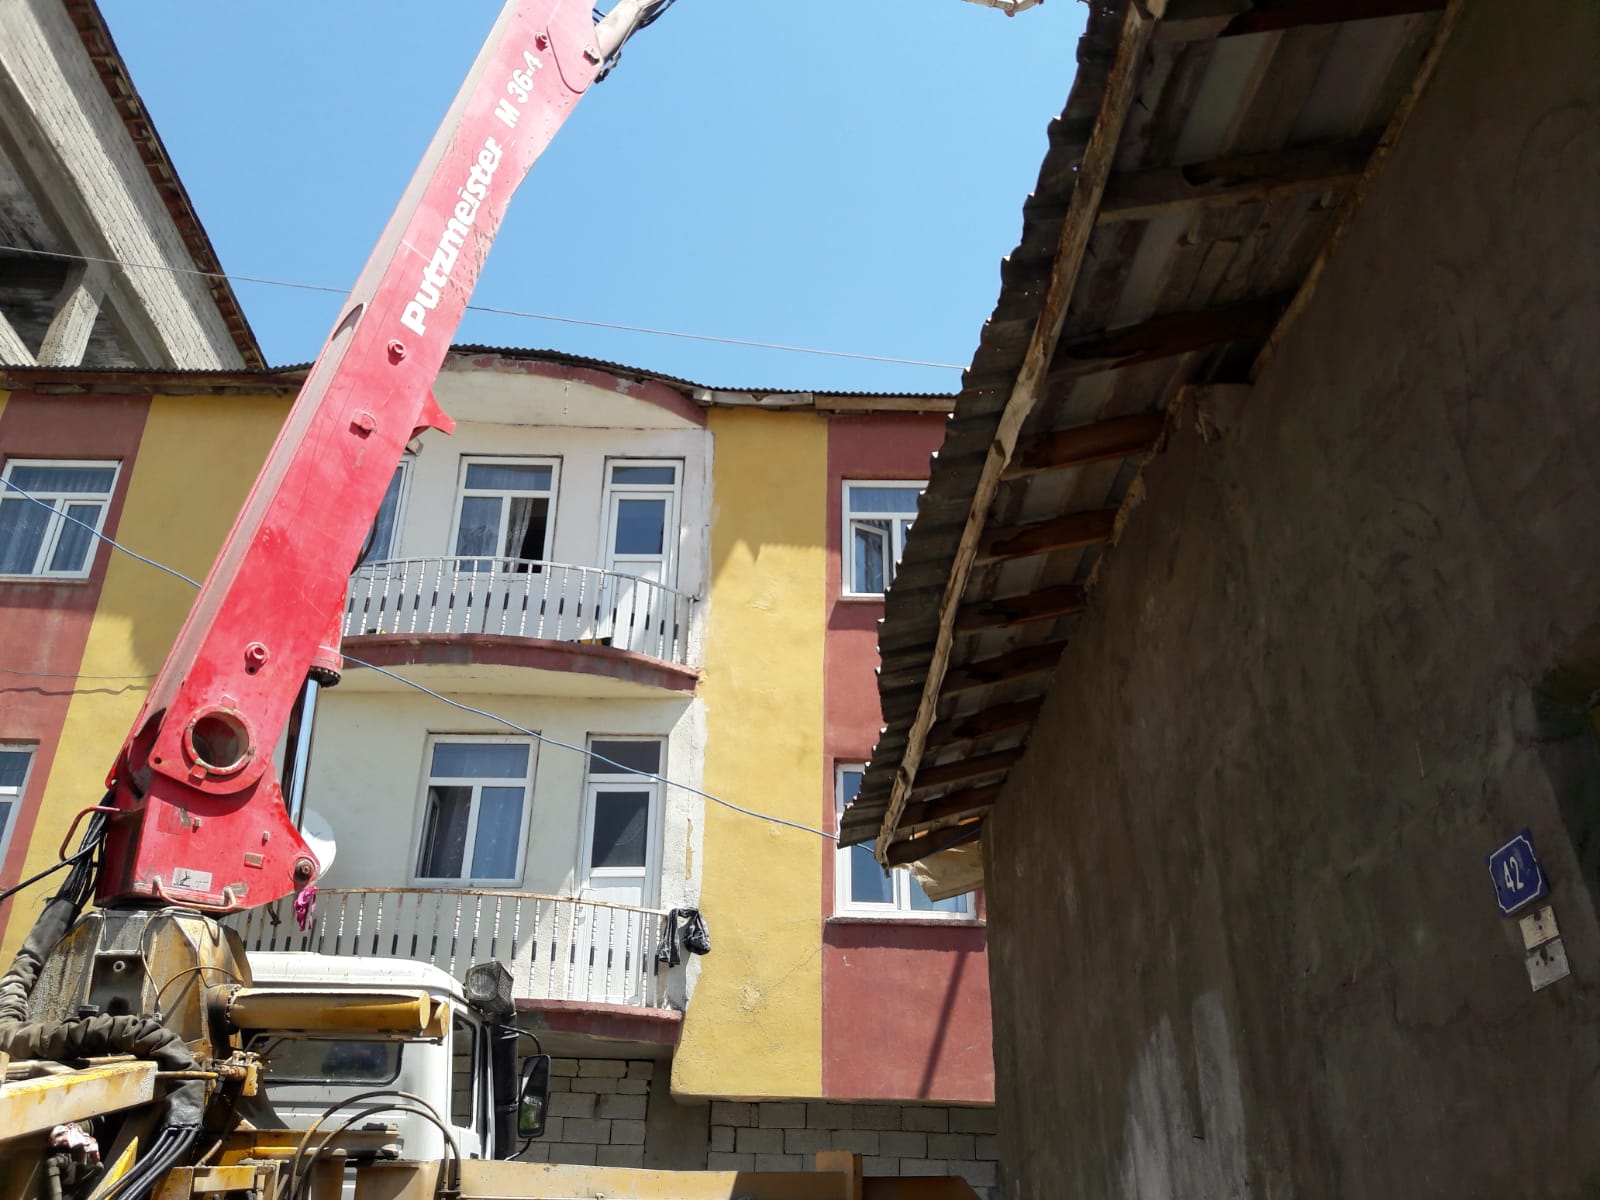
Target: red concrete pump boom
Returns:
[198, 811]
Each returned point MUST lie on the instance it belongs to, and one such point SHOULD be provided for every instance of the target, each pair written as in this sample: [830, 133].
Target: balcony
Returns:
[523, 612]
[556, 948]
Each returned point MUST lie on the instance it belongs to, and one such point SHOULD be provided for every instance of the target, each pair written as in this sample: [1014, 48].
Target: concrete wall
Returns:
[1241, 933]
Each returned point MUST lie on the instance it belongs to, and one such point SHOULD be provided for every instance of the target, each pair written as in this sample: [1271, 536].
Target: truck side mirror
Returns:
[533, 1099]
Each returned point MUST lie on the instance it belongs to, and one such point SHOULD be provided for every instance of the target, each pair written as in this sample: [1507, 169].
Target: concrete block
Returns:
[722, 1139]
[732, 1112]
[627, 1133]
[781, 1116]
[857, 1141]
[945, 1145]
[806, 1141]
[925, 1119]
[924, 1166]
[604, 1068]
[877, 1167]
[780, 1162]
[572, 1154]
[987, 1146]
[536, 1152]
[759, 1141]
[563, 1066]
[632, 1108]
[597, 1084]
[824, 1114]
[572, 1104]
[978, 1174]
[903, 1145]
[972, 1120]
[554, 1129]
[581, 1130]
[619, 1156]
[641, 1068]
[560, 1083]
[875, 1116]
[730, 1162]
[631, 1087]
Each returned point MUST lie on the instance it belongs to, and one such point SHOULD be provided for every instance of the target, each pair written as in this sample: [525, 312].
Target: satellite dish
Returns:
[318, 835]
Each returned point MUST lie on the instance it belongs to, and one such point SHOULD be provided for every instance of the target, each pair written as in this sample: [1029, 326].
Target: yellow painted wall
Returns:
[196, 461]
[754, 1024]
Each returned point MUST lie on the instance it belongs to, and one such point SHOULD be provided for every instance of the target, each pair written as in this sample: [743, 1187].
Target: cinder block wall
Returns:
[597, 1113]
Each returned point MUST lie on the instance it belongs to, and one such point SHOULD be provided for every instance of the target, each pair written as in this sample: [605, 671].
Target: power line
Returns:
[65, 675]
[503, 312]
[427, 691]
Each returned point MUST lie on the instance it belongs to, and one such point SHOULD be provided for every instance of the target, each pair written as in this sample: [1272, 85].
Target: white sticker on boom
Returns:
[194, 881]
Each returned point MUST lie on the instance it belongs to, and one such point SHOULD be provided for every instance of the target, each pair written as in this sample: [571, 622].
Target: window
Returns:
[862, 887]
[622, 815]
[641, 508]
[306, 1060]
[505, 514]
[384, 539]
[475, 809]
[15, 762]
[877, 517]
[54, 538]
[463, 1073]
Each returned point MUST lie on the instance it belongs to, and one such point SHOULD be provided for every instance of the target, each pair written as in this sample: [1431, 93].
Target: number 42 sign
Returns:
[1517, 876]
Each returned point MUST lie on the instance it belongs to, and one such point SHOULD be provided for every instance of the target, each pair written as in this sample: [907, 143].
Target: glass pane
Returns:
[5, 816]
[868, 882]
[63, 480]
[499, 833]
[507, 477]
[867, 499]
[290, 1060]
[479, 760]
[869, 555]
[641, 526]
[480, 525]
[461, 1072]
[644, 475]
[13, 770]
[849, 786]
[22, 526]
[525, 529]
[625, 757]
[383, 525]
[621, 820]
[74, 542]
[921, 903]
[444, 833]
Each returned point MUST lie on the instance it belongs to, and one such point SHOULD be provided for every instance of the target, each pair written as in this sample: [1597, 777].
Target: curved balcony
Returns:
[556, 947]
[523, 612]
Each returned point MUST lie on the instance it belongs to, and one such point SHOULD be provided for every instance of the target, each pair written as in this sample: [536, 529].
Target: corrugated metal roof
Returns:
[1208, 154]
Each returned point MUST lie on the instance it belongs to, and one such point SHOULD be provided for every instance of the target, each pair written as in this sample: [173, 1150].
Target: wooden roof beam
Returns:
[965, 769]
[1119, 437]
[1060, 533]
[986, 722]
[1008, 611]
[1240, 179]
[1165, 336]
[904, 853]
[961, 805]
[1002, 668]
[1202, 20]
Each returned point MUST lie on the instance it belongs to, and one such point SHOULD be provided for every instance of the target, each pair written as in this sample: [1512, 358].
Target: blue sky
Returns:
[841, 174]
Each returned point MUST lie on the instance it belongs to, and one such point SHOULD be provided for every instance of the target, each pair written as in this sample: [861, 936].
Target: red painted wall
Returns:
[46, 624]
[905, 1003]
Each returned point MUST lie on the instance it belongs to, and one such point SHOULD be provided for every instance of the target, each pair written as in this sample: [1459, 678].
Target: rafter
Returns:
[1201, 20]
[904, 853]
[1059, 533]
[1240, 179]
[1002, 668]
[1165, 337]
[966, 768]
[1118, 437]
[1044, 605]
[985, 722]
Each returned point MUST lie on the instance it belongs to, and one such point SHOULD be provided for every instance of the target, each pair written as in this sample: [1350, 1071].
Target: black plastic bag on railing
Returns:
[688, 926]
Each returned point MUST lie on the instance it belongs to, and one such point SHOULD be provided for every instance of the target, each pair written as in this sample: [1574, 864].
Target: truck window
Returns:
[463, 1076]
[307, 1060]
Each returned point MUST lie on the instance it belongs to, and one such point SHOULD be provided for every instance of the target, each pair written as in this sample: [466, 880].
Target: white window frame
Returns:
[13, 798]
[673, 492]
[899, 526]
[492, 460]
[596, 782]
[377, 554]
[845, 905]
[57, 522]
[429, 779]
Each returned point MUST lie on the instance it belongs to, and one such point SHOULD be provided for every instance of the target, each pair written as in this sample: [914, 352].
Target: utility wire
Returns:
[502, 312]
[427, 691]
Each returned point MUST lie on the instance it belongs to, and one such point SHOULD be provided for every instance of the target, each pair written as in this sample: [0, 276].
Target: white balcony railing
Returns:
[556, 948]
[519, 598]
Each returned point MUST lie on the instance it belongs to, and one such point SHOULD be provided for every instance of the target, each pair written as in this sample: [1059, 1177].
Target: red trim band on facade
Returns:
[618, 1022]
[539, 654]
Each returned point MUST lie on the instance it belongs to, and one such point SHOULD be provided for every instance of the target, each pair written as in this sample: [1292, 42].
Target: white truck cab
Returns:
[459, 1074]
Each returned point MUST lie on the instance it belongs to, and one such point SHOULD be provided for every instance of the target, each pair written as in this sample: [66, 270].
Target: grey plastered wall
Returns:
[1242, 939]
